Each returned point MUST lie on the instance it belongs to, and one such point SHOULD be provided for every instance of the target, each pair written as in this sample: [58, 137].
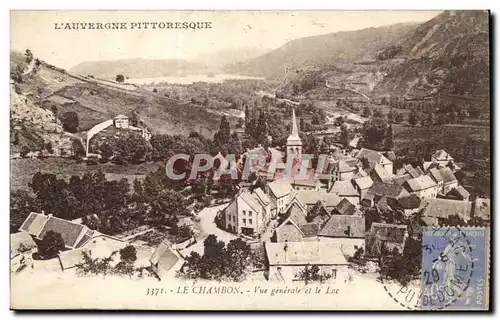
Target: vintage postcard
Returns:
[250, 160]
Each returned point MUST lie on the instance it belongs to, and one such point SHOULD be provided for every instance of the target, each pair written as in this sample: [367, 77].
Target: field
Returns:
[22, 170]
[455, 139]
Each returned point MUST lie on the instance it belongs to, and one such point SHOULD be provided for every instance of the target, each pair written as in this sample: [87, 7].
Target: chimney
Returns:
[43, 212]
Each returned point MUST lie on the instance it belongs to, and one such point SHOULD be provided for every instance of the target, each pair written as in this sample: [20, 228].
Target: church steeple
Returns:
[294, 143]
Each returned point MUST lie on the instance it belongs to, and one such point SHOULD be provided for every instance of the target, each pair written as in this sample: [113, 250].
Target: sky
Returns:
[229, 30]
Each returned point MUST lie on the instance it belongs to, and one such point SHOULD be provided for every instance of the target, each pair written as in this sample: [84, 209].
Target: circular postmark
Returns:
[446, 270]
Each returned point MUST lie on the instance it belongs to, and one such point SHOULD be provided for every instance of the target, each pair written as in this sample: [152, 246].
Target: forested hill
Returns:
[448, 55]
[339, 47]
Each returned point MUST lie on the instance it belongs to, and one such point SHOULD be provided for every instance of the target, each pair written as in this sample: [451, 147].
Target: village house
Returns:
[400, 180]
[279, 192]
[375, 157]
[38, 224]
[379, 173]
[310, 198]
[442, 157]
[435, 211]
[342, 169]
[407, 205]
[380, 190]
[449, 179]
[121, 121]
[291, 230]
[362, 185]
[248, 213]
[346, 230]
[383, 239]
[165, 261]
[422, 186]
[345, 207]
[410, 170]
[438, 179]
[345, 189]
[458, 193]
[288, 259]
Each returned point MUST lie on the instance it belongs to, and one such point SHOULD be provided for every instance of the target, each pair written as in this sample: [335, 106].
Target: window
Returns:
[250, 221]
[229, 218]
[244, 212]
[244, 221]
[249, 213]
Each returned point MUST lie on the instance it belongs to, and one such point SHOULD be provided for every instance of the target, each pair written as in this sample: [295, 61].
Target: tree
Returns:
[222, 136]
[70, 121]
[106, 150]
[48, 147]
[21, 205]
[132, 148]
[413, 118]
[120, 78]
[29, 55]
[77, 148]
[262, 129]
[155, 91]
[344, 136]
[388, 139]
[366, 112]
[24, 151]
[166, 204]
[378, 114]
[373, 134]
[128, 254]
[50, 245]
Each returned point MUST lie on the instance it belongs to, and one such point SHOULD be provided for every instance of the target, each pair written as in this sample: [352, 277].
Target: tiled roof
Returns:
[34, 223]
[297, 214]
[310, 197]
[435, 174]
[345, 207]
[310, 229]
[387, 190]
[70, 232]
[280, 187]
[251, 199]
[410, 202]
[399, 180]
[381, 173]
[343, 166]
[420, 183]
[441, 155]
[262, 196]
[303, 253]
[372, 156]
[344, 226]
[121, 116]
[364, 182]
[444, 208]
[447, 174]
[413, 172]
[164, 256]
[459, 191]
[343, 189]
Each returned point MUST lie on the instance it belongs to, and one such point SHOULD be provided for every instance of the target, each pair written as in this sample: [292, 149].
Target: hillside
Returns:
[339, 47]
[41, 95]
[137, 68]
[448, 55]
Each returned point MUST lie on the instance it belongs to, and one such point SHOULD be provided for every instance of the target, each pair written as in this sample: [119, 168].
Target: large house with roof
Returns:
[248, 213]
[422, 186]
[345, 189]
[287, 260]
[121, 121]
[345, 230]
[38, 224]
[279, 192]
[375, 157]
[362, 185]
[449, 179]
[435, 211]
[442, 157]
[380, 190]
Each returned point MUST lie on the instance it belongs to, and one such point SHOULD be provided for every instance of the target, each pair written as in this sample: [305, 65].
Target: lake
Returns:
[192, 78]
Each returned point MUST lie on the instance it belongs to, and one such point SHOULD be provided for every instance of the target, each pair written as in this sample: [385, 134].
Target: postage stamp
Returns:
[454, 268]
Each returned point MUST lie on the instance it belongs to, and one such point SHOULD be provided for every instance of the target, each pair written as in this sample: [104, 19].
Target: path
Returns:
[127, 238]
[205, 227]
[350, 90]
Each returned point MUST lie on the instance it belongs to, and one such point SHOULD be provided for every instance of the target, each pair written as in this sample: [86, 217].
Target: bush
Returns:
[24, 151]
[51, 244]
[70, 121]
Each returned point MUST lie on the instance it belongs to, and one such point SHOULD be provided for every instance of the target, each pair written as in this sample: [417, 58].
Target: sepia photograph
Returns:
[250, 160]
